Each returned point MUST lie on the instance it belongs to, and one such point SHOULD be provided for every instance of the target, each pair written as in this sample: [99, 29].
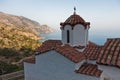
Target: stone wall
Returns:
[12, 76]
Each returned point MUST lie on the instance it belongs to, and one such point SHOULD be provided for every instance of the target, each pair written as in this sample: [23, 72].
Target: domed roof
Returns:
[73, 20]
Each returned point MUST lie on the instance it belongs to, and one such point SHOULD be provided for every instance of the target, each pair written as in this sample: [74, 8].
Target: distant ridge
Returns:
[20, 21]
[20, 32]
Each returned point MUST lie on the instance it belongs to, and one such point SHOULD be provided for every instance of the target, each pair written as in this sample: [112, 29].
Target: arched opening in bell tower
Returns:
[68, 36]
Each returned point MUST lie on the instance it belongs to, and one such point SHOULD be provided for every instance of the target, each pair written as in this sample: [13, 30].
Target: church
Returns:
[74, 57]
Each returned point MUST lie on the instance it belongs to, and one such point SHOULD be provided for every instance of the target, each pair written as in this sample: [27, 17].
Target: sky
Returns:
[104, 15]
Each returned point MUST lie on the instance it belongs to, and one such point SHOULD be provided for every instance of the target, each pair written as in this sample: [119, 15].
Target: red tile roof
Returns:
[48, 45]
[30, 60]
[91, 52]
[65, 50]
[110, 53]
[73, 20]
[92, 44]
[71, 53]
[89, 69]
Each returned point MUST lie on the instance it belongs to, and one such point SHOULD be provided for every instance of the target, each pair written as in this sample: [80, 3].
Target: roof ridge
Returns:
[71, 53]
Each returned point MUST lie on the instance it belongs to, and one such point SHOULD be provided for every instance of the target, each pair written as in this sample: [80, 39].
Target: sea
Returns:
[100, 40]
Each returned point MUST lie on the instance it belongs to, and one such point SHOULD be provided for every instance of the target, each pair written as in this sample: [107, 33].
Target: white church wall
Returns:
[104, 76]
[64, 34]
[78, 65]
[53, 66]
[79, 35]
[29, 71]
[80, 50]
[87, 34]
[109, 72]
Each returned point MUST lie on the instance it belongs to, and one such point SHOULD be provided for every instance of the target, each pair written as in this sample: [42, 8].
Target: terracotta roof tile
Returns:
[110, 53]
[73, 20]
[92, 44]
[89, 69]
[30, 60]
[70, 53]
[92, 50]
[48, 45]
[118, 63]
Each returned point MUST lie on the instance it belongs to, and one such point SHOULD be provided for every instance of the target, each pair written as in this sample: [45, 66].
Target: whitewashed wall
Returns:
[80, 35]
[29, 71]
[78, 65]
[104, 76]
[53, 66]
[64, 34]
[110, 72]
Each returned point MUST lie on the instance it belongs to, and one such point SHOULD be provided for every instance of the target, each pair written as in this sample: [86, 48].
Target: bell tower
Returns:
[75, 30]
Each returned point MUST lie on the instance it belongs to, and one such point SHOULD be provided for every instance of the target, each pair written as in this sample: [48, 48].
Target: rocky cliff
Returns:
[20, 21]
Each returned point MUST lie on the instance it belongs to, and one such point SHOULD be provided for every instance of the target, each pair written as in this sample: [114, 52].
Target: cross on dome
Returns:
[74, 10]
[74, 20]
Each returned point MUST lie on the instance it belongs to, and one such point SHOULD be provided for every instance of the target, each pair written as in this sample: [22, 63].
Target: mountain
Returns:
[20, 32]
[15, 44]
[19, 37]
[20, 21]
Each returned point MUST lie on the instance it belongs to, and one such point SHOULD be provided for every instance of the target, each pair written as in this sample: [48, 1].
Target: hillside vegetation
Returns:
[16, 43]
[17, 37]
[18, 40]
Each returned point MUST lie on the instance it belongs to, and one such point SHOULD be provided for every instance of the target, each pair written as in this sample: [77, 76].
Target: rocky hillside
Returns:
[17, 37]
[20, 21]
[18, 40]
[15, 44]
